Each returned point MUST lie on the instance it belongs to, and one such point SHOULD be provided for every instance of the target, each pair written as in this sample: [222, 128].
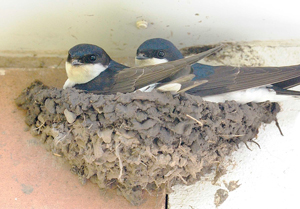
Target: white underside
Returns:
[260, 94]
[172, 87]
[152, 61]
[82, 73]
[69, 84]
[148, 88]
[155, 61]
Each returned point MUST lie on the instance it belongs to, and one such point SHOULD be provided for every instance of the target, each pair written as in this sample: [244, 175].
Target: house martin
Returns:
[91, 69]
[225, 82]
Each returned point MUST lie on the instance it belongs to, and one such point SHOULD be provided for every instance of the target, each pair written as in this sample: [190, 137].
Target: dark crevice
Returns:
[167, 201]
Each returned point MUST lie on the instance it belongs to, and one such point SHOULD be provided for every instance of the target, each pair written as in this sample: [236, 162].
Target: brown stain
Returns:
[220, 196]
[232, 185]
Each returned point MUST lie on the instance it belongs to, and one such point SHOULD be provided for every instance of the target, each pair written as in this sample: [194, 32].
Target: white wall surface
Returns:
[59, 24]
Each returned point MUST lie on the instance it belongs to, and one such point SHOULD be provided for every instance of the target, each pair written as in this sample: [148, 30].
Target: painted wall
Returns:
[60, 24]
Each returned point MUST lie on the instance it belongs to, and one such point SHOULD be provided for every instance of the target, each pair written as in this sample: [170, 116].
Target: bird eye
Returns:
[92, 58]
[161, 54]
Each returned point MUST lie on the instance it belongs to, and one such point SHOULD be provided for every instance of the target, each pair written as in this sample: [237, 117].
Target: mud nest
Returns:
[139, 142]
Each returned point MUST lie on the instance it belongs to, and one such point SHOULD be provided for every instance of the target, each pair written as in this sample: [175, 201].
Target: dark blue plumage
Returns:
[91, 69]
[221, 79]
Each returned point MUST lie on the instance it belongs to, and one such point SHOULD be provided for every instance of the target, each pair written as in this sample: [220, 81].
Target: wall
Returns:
[58, 25]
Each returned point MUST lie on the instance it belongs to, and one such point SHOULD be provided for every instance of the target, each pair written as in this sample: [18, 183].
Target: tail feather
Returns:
[288, 83]
[281, 91]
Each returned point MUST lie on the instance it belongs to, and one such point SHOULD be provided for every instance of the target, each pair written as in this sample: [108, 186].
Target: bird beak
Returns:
[141, 56]
[75, 62]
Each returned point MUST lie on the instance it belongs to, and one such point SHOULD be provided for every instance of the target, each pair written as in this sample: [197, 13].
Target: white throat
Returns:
[152, 61]
[82, 73]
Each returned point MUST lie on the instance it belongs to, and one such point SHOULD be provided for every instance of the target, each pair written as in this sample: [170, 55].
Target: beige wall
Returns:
[58, 25]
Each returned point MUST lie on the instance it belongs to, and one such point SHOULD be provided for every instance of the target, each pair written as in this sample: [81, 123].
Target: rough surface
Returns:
[140, 141]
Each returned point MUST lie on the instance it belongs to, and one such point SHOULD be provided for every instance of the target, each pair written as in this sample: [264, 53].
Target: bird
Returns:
[242, 84]
[90, 68]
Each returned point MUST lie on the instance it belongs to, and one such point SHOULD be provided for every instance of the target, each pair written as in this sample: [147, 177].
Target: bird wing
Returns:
[288, 83]
[131, 79]
[227, 79]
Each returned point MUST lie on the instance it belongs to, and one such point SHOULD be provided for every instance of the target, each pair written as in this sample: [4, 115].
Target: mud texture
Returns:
[140, 142]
